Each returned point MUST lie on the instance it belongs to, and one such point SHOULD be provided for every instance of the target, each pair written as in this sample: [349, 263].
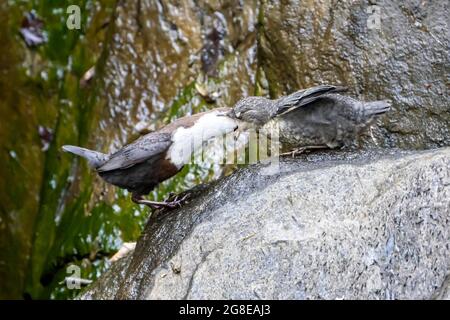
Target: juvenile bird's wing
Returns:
[304, 97]
[140, 150]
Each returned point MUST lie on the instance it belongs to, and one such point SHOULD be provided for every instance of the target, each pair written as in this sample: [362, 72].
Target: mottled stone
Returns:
[402, 56]
[367, 225]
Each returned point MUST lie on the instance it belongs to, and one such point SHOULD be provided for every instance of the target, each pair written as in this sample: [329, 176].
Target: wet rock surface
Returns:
[133, 67]
[137, 65]
[380, 50]
[371, 224]
[42, 225]
[162, 52]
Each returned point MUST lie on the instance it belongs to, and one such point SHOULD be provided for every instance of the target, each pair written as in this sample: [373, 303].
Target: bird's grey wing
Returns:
[140, 150]
[304, 97]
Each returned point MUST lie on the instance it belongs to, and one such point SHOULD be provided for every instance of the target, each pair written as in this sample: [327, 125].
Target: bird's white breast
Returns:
[187, 140]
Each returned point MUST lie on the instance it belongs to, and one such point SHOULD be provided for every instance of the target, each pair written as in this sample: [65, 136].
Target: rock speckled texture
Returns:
[402, 56]
[368, 225]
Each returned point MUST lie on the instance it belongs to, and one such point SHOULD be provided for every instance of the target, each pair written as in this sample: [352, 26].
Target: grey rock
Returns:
[106, 288]
[403, 56]
[337, 225]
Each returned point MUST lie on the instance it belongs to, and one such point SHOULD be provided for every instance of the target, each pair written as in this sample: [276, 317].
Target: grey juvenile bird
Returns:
[317, 117]
[142, 165]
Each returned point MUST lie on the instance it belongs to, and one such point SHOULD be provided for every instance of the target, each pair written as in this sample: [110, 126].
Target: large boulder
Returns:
[367, 225]
[159, 60]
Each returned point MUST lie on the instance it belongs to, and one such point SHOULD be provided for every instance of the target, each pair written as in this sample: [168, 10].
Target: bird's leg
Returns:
[371, 135]
[294, 152]
[175, 199]
[139, 199]
[300, 150]
[157, 204]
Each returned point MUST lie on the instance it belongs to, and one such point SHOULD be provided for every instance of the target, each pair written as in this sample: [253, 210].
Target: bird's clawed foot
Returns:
[174, 200]
[300, 150]
[294, 152]
[168, 203]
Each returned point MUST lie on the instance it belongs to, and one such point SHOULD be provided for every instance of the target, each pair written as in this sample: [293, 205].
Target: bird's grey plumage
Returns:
[313, 117]
[95, 159]
[137, 167]
[137, 152]
[333, 121]
[303, 97]
[142, 165]
[259, 110]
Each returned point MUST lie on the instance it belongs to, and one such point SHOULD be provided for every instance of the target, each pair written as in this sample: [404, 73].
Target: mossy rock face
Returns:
[44, 224]
[149, 70]
[404, 58]
[156, 61]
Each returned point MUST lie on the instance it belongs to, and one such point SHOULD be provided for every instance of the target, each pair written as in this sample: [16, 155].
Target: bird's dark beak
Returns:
[231, 114]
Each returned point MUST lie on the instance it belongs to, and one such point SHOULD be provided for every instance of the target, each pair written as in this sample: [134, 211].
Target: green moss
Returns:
[41, 87]
[54, 210]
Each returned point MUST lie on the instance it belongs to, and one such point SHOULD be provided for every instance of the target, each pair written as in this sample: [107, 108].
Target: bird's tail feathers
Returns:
[377, 107]
[94, 158]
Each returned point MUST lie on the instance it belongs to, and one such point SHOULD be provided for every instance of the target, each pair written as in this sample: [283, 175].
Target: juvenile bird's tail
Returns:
[94, 158]
[376, 107]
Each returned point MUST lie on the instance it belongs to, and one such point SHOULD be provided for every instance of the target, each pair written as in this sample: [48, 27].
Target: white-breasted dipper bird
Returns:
[317, 117]
[141, 165]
